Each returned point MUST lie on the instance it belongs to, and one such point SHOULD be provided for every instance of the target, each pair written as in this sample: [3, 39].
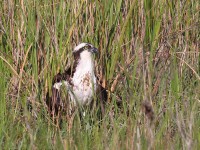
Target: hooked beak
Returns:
[94, 50]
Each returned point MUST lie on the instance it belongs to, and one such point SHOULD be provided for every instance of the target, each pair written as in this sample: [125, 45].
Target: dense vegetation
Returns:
[149, 56]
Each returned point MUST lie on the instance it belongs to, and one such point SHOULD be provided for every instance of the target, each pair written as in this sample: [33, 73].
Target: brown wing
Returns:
[54, 102]
[102, 96]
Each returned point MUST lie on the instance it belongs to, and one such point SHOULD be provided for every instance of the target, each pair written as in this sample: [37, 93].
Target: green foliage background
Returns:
[149, 54]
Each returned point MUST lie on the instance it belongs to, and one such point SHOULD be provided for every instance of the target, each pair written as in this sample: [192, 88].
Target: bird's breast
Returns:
[84, 87]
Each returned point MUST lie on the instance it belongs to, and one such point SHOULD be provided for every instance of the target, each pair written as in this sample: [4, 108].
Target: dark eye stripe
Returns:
[87, 47]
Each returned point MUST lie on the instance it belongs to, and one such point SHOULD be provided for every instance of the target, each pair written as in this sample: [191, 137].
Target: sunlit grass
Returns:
[149, 55]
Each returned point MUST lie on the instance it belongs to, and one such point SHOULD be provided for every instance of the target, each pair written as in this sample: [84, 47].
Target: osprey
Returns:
[80, 80]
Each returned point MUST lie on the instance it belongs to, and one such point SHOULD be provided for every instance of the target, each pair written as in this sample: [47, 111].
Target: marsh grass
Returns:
[149, 56]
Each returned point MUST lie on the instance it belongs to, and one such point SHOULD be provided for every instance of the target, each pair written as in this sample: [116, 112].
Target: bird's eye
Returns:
[86, 47]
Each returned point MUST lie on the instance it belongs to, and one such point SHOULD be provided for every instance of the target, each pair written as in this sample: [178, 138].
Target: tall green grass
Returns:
[149, 56]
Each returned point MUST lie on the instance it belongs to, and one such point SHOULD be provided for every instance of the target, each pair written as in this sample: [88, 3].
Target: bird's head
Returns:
[83, 55]
[85, 47]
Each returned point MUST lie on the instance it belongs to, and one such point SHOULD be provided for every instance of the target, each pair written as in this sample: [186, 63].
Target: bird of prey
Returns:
[80, 80]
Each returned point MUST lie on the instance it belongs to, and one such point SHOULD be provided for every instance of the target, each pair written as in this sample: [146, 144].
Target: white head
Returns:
[85, 46]
[83, 56]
